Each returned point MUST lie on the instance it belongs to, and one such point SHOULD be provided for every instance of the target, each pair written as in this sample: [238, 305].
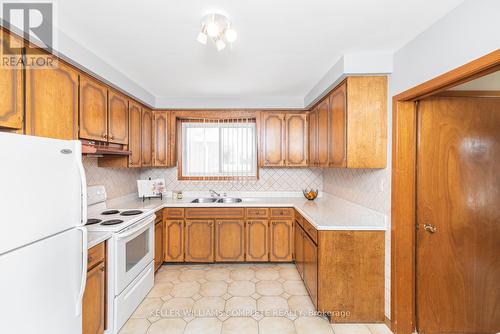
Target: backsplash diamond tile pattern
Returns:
[270, 179]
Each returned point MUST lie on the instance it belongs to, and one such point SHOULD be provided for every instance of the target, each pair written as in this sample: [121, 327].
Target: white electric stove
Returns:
[130, 254]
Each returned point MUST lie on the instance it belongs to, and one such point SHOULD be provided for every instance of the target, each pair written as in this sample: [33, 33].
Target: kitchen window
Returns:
[218, 150]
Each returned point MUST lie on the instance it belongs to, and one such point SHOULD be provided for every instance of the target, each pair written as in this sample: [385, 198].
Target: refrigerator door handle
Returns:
[83, 279]
[83, 180]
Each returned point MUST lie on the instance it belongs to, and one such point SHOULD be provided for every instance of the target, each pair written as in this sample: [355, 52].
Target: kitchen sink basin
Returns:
[229, 200]
[204, 200]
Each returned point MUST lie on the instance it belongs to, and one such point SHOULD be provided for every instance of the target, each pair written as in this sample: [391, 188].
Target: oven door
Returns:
[134, 251]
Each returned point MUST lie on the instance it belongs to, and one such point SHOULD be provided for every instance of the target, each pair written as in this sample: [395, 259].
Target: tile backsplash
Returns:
[270, 179]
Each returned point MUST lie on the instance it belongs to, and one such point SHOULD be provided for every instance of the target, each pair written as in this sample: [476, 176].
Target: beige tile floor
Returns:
[233, 299]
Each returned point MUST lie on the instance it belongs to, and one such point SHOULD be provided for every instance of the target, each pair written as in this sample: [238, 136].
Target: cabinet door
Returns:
[229, 240]
[313, 138]
[94, 301]
[296, 139]
[311, 268]
[93, 109]
[117, 118]
[281, 240]
[338, 110]
[158, 244]
[199, 246]
[160, 138]
[147, 135]
[52, 102]
[273, 139]
[135, 134]
[11, 84]
[323, 134]
[257, 241]
[299, 249]
[173, 241]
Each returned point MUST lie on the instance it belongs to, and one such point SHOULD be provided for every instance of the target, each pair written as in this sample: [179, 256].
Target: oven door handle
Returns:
[135, 230]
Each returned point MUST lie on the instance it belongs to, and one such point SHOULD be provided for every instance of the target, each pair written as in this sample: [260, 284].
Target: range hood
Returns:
[95, 148]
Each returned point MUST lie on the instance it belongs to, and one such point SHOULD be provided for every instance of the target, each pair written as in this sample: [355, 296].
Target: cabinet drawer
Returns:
[95, 255]
[173, 212]
[257, 212]
[217, 213]
[281, 212]
[310, 230]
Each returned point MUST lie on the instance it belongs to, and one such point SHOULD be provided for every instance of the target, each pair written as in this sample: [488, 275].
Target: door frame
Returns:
[403, 177]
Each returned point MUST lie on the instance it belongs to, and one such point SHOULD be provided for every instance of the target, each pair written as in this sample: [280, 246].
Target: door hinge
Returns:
[416, 226]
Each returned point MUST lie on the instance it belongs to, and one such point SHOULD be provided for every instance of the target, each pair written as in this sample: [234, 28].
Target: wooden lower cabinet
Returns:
[310, 269]
[199, 245]
[257, 240]
[280, 240]
[94, 298]
[299, 248]
[173, 240]
[158, 243]
[229, 240]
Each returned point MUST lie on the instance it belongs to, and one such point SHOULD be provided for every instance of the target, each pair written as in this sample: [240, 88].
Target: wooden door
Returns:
[135, 134]
[257, 240]
[229, 240]
[313, 138]
[323, 132]
[93, 109]
[458, 196]
[147, 136]
[310, 275]
[52, 102]
[117, 118]
[299, 248]
[281, 240]
[158, 244]
[337, 127]
[199, 246]
[272, 139]
[11, 84]
[296, 140]
[173, 240]
[94, 301]
[160, 138]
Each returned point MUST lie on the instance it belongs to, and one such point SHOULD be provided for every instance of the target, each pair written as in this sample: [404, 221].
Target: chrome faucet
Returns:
[213, 193]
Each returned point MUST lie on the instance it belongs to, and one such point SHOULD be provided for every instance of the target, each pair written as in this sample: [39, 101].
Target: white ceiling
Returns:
[283, 49]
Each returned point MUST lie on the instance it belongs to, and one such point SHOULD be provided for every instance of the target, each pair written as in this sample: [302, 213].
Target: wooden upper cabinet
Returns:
[117, 118]
[52, 102]
[281, 240]
[323, 133]
[257, 240]
[11, 84]
[272, 139]
[337, 127]
[199, 244]
[93, 109]
[173, 240]
[135, 134]
[147, 135]
[296, 140]
[313, 138]
[161, 156]
[229, 240]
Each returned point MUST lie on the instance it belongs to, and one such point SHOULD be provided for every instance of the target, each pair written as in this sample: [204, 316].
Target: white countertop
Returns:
[95, 238]
[325, 213]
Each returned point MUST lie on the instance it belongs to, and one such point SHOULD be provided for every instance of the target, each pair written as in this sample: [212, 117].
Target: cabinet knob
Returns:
[209, 224]
[103, 135]
[111, 137]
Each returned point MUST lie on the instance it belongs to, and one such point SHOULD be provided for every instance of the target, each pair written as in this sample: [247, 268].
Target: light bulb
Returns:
[231, 35]
[202, 38]
[220, 44]
[212, 29]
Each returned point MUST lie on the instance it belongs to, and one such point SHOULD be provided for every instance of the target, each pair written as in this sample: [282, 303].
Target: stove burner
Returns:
[112, 222]
[92, 221]
[110, 212]
[131, 213]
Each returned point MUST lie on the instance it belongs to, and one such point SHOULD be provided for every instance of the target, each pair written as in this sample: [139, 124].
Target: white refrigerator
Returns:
[43, 244]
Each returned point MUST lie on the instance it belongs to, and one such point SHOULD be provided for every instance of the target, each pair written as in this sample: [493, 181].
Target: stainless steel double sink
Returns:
[217, 200]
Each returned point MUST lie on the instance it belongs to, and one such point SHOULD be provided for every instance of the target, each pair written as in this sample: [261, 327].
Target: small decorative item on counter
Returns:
[151, 188]
[310, 194]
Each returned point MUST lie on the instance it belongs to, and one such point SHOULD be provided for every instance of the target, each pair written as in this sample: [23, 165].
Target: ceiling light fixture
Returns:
[217, 28]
